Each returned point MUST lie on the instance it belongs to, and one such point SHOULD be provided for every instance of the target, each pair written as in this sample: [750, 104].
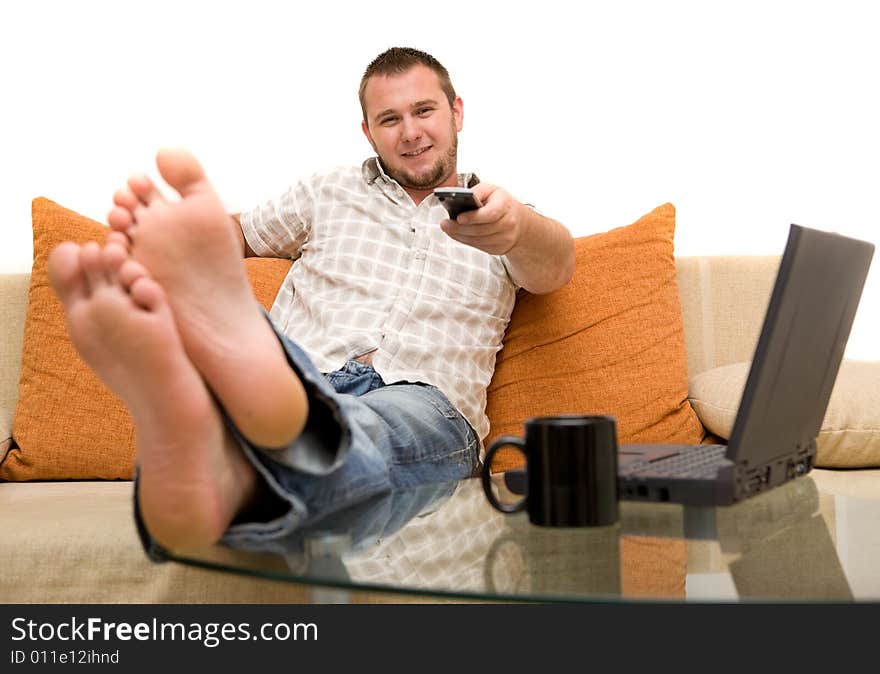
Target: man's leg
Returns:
[193, 477]
[191, 250]
[379, 439]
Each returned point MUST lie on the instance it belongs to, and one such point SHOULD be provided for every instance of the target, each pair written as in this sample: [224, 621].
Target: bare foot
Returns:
[193, 477]
[191, 250]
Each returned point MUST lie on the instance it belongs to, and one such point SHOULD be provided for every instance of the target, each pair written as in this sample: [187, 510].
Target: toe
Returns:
[66, 274]
[119, 238]
[120, 218]
[131, 271]
[113, 256]
[126, 198]
[147, 294]
[144, 189]
[183, 172]
[90, 259]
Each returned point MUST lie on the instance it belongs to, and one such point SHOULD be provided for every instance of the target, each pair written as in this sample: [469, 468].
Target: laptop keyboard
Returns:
[694, 461]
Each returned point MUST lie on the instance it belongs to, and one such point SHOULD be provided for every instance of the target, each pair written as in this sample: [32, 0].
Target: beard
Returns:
[434, 176]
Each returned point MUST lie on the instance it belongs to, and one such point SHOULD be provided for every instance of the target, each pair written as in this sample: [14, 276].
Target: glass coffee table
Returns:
[814, 539]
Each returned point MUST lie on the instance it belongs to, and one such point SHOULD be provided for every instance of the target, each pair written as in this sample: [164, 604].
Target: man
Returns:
[372, 371]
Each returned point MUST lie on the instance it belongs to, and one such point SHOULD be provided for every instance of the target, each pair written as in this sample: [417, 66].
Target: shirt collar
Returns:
[372, 171]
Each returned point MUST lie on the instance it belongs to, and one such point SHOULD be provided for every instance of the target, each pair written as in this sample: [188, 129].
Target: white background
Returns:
[747, 116]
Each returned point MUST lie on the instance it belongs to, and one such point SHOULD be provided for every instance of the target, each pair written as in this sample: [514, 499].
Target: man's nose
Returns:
[411, 129]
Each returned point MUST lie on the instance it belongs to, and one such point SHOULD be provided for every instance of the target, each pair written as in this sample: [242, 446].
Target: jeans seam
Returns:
[422, 459]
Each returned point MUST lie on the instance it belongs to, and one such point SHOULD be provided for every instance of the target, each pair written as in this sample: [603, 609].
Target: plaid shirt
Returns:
[374, 274]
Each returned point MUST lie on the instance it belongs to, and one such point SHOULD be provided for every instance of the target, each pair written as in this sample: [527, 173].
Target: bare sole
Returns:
[190, 248]
[193, 479]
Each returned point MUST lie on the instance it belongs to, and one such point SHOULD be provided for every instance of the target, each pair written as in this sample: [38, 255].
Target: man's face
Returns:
[412, 128]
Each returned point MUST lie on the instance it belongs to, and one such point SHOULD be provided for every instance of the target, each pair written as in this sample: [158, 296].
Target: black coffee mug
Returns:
[571, 471]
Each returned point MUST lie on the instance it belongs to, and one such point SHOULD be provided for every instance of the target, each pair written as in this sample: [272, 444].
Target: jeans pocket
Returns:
[354, 379]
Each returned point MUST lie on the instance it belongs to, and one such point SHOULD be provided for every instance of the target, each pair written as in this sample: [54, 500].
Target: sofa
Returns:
[74, 541]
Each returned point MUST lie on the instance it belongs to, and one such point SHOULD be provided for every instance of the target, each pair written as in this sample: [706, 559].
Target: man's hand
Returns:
[539, 251]
[495, 228]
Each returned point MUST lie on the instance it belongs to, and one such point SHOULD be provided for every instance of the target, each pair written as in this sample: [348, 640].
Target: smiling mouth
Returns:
[416, 153]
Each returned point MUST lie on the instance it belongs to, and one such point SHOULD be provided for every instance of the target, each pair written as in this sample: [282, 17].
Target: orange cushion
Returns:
[609, 342]
[67, 425]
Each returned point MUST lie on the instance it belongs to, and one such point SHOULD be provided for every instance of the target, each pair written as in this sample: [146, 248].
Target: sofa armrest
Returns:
[5, 432]
[13, 305]
[723, 301]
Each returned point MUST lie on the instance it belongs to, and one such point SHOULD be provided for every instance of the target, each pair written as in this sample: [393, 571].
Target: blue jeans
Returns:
[363, 437]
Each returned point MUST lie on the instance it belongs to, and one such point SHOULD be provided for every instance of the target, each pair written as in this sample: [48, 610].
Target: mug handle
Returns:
[486, 474]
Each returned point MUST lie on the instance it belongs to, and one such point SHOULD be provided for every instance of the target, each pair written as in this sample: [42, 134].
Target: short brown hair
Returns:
[398, 60]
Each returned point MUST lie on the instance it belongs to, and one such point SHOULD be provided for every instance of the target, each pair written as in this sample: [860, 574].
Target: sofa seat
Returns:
[74, 542]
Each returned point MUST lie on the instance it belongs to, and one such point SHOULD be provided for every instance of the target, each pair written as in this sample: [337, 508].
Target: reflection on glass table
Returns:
[446, 541]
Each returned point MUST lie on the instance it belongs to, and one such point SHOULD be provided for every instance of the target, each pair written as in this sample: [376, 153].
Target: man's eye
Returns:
[386, 121]
[425, 111]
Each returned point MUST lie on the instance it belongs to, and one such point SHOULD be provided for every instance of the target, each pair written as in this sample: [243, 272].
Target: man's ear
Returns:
[458, 113]
[366, 130]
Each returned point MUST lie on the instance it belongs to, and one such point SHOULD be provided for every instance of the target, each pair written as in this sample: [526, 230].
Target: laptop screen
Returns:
[801, 346]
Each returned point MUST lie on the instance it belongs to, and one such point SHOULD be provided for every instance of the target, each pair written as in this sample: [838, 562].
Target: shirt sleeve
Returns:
[506, 264]
[281, 226]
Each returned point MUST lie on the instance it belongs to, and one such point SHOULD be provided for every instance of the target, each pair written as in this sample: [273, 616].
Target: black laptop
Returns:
[807, 324]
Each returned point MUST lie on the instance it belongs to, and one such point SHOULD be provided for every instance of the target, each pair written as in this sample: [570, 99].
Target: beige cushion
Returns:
[723, 301]
[850, 434]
